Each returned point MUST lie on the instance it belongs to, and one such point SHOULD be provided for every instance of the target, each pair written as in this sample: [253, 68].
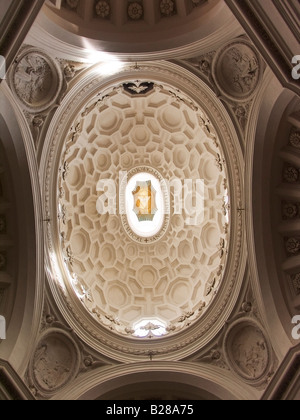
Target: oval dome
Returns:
[120, 289]
[143, 201]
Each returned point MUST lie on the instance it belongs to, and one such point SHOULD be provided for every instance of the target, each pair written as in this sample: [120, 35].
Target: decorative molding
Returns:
[242, 113]
[215, 357]
[138, 88]
[204, 64]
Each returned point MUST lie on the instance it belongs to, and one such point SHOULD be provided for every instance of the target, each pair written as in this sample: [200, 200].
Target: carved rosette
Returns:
[295, 278]
[291, 174]
[103, 9]
[293, 245]
[36, 80]
[290, 210]
[167, 8]
[248, 351]
[238, 70]
[295, 139]
[55, 363]
[135, 11]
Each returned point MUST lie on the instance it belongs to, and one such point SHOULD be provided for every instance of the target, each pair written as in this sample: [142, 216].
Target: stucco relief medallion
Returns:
[237, 70]
[247, 350]
[36, 80]
[55, 363]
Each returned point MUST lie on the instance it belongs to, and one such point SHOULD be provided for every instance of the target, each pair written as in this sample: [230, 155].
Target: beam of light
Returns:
[105, 64]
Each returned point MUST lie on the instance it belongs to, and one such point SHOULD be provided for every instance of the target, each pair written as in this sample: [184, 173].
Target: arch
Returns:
[268, 114]
[25, 307]
[204, 380]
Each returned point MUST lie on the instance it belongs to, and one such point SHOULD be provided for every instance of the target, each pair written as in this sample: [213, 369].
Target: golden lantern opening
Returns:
[145, 206]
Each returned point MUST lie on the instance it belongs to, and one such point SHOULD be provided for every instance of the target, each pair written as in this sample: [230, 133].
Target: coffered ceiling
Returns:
[110, 102]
